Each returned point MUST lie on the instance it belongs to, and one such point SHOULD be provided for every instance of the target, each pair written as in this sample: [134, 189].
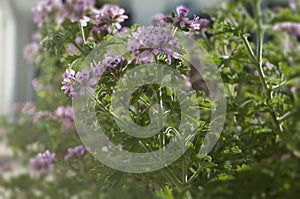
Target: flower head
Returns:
[291, 28]
[68, 81]
[31, 52]
[181, 21]
[44, 9]
[158, 19]
[108, 19]
[42, 163]
[182, 11]
[83, 78]
[112, 62]
[293, 4]
[198, 24]
[76, 10]
[76, 151]
[151, 41]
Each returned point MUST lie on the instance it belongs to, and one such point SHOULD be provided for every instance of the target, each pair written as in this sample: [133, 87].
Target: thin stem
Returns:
[248, 46]
[160, 121]
[82, 34]
[166, 172]
[260, 36]
[194, 176]
[174, 30]
[184, 172]
[262, 77]
[79, 48]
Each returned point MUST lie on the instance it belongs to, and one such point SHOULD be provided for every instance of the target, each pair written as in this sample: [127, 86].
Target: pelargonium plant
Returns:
[82, 53]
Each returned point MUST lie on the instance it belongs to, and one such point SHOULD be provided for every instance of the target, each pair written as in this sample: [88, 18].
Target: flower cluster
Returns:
[68, 82]
[148, 42]
[74, 10]
[86, 78]
[108, 19]
[31, 51]
[293, 4]
[158, 19]
[42, 163]
[181, 21]
[71, 49]
[64, 115]
[77, 151]
[43, 10]
[291, 28]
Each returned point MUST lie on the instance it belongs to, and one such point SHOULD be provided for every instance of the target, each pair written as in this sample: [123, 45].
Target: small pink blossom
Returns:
[42, 163]
[76, 151]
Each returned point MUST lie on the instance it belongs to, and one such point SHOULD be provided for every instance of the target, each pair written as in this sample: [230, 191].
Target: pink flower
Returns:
[108, 19]
[293, 4]
[158, 19]
[182, 11]
[68, 81]
[78, 151]
[112, 62]
[151, 41]
[36, 85]
[76, 10]
[198, 24]
[104, 149]
[42, 163]
[83, 78]
[64, 115]
[43, 10]
[31, 52]
[291, 28]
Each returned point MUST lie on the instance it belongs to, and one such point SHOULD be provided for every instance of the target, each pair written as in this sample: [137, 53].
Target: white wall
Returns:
[7, 58]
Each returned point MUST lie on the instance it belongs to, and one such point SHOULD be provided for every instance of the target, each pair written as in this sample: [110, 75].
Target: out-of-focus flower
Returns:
[78, 40]
[43, 10]
[151, 41]
[39, 116]
[64, 115]
[198, 24]
[71, 49]
[31, 52]
[76, 10]
[293, 4]
[27, 108]
[77, 151]
[36, 37]
[42, 163]
[104, 149]
[269, 65]
[36, 85]
[291, 28]
[158, 19]
[108, 19]
[187, 81]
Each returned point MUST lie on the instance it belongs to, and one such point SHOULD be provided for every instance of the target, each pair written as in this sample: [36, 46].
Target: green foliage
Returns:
[258, 152]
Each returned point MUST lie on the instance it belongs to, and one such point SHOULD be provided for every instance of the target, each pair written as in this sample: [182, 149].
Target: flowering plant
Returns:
[88, 60]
